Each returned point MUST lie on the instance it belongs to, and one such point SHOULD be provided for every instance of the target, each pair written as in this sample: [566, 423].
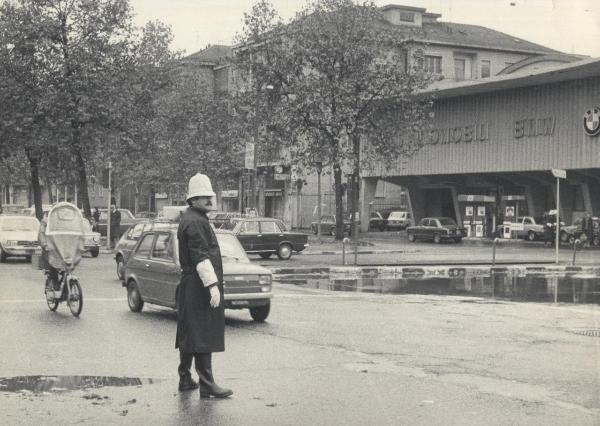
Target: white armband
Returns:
[206, 272]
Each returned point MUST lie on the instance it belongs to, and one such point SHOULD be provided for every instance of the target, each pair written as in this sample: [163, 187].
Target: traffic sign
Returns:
[559, 173]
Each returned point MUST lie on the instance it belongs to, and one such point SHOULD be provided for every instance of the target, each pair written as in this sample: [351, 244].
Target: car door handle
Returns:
[147, 266]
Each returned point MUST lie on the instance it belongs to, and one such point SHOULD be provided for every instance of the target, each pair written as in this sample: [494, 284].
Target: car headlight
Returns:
[264, 280]
[9, 243]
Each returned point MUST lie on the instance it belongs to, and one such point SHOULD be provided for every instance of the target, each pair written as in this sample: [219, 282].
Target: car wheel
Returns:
[458, 240]
[572, 239]
[596, 241]
[260, 313]
[265, 255]
[284, 252]
[564, 237]
[382, 228]
[315, 230]
[2, 255]
[411, 237]
[531, 236]
[95, 251]
[332, 232]
[134, 297]
[437, 239]
[120, 267]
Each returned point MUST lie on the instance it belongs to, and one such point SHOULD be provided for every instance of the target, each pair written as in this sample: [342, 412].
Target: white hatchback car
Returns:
[18, 236]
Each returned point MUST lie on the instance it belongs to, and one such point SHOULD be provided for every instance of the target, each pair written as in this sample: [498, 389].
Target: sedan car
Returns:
[18, 236]
[153, 273]
[91, 240]
[127, 219]
[328, 225]
[265, 236]
[437, 229]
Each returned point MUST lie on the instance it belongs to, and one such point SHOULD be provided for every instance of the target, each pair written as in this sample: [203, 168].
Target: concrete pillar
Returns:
[587, 197]
[457, 211]
[367, 194]
[594, 197]
[529, 199]
[416, 196]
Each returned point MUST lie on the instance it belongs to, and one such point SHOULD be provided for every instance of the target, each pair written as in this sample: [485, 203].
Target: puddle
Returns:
[40, 384]
[528, 287]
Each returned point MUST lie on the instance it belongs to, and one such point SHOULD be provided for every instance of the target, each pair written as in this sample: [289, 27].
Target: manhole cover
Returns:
[591, 333]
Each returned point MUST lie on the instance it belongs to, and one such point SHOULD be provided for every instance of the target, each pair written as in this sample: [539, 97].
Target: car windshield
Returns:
[397, 215]
[231, 249]
[20, 224]
[446, 221]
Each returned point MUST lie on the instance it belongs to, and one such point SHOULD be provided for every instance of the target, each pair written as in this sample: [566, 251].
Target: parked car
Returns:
[127, 219]
[398, 220]
[328, 225]
[378, 220]
[91, 240]
[265, 236]
[153, 273]
[437, 229]
[573, 232]
[526, 227]
[18, 236]
[130, 238]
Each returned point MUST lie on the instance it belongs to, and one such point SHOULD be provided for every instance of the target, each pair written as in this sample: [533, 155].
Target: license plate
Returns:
[239, 302]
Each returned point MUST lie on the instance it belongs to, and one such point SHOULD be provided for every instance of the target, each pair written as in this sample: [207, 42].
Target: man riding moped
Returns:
[61, 237]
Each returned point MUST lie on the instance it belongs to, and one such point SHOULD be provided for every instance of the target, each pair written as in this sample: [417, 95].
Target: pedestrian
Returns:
[200, 309]
[587, 228]
[548, 231]
[115, 225]
[96, 216]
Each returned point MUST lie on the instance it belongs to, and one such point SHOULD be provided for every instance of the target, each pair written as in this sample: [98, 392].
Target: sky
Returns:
[571, 26]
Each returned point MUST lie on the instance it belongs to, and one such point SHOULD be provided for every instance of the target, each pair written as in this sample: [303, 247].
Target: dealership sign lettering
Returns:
[534, 127]
[469, 133]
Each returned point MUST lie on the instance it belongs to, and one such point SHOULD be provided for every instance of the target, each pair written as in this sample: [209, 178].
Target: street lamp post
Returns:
[319, 167]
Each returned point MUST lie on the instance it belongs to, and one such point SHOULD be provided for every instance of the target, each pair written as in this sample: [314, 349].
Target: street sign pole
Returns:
[558, 174]
[108, 207]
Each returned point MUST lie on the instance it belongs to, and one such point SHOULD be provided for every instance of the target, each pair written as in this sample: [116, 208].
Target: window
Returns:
[250, 228]
[135, 232]
[459, 69]
[145, 246]
[433, 64]
[163, 247]
[407, 17]
[269, 228]
[485, 69]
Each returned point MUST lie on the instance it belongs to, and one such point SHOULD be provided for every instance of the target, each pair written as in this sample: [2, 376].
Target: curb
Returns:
[447, 271]
[351, 252]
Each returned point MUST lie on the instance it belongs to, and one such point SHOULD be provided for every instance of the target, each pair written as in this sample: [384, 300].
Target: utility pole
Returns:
[558, 174]
[319, 165]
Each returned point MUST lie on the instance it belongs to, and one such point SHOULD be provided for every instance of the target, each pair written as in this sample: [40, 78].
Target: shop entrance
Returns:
[478, 218]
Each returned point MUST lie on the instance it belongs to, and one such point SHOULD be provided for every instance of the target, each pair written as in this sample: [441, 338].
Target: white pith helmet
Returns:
[200, 186]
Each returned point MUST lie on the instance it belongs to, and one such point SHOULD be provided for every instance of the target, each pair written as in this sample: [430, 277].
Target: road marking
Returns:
[97, 299]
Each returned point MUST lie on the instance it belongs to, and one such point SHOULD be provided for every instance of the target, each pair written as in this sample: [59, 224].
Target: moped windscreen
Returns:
[64, 234]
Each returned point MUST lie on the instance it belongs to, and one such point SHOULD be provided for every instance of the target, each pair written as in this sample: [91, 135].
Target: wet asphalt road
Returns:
[321, 358]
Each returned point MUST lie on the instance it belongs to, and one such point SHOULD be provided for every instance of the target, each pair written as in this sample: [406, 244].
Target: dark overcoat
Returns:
[200, 328]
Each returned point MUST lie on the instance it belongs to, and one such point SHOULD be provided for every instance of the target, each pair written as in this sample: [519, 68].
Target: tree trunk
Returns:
[84, 197]
[34, 164]
[49, 189]
[355, 179]
[339, 208]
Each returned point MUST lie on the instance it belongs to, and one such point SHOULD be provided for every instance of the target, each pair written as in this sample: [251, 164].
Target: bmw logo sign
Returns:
[591, 121]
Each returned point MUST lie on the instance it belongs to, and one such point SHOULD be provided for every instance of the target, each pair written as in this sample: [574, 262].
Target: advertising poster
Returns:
[480, 210]
[469, 211]
[510, 211]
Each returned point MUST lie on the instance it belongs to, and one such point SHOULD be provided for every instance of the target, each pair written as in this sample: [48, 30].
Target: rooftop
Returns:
[585, 68]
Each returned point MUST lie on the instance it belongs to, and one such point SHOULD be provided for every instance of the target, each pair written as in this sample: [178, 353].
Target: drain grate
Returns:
[591, 333]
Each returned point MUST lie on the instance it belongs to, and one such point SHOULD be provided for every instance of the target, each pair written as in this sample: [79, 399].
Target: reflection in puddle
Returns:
[503, 284]
[39, 384]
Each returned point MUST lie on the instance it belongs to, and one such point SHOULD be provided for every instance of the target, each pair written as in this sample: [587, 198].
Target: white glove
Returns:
[215, 296]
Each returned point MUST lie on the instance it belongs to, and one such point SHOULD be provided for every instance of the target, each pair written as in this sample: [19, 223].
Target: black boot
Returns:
[208, 387]
[185, 377]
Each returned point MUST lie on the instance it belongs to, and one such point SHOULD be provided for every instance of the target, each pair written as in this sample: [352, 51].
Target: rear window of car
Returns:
[269, 227]
[145, 246]
[163, 248]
